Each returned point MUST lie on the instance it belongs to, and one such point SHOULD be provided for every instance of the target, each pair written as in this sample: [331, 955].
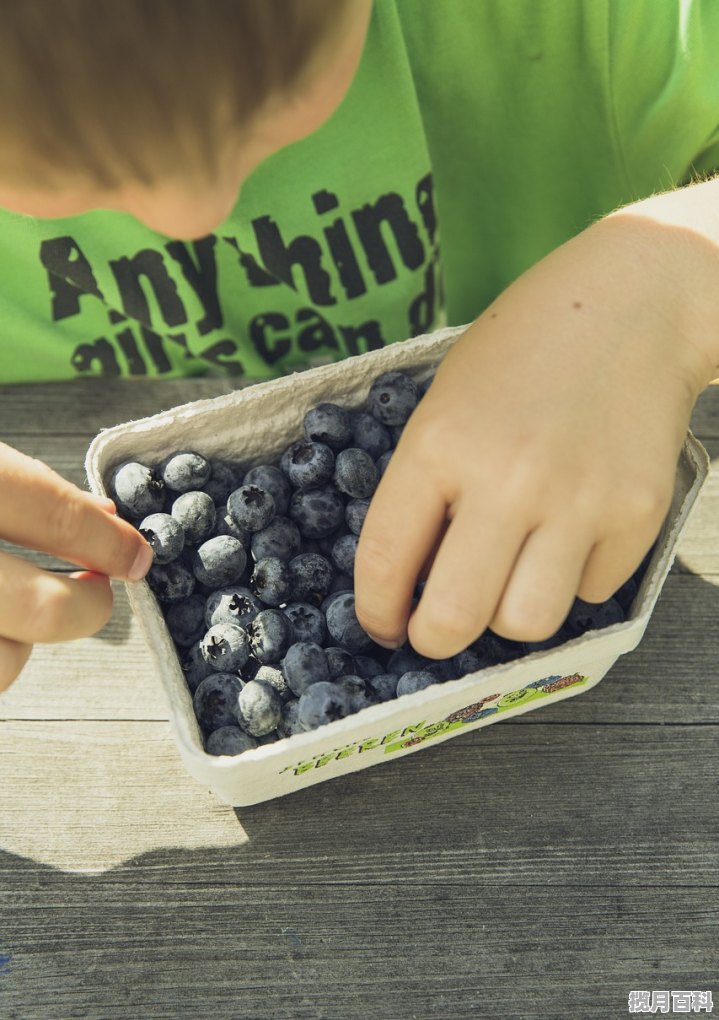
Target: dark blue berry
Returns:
[584, 616]
[367, 667]
[281, 538]
[330, 424]
[251, 507]
[223, 480]
[392, 398]
[304, 663]
[383, 461]
[194, 666]
[229, 740]
[216, 700]
[355, 473]
[270, 635]
[166, 536]
[370, 435]
[224, 525]
[323, 703]
[343, 625]
[343, 553]
[355, 513]
[171, 582]
[410, 683]
[289, 724]
[186, 620]
[310, 465]
[271, 581]
[340, 662]
[317, 512]
[626, 594]
[384, 686]
[270, 478]
[308, 622]
[311, 576]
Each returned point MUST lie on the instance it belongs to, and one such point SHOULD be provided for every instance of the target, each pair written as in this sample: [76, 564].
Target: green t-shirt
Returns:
[476, 136]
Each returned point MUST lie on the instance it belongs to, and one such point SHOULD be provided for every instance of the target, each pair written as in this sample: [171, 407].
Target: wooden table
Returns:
[543, 867]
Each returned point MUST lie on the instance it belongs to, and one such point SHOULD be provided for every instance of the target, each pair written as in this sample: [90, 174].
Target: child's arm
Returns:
[550, 434]
[41, 510]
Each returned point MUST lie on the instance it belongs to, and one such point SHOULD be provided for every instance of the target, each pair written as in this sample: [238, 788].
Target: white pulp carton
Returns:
[256, 425]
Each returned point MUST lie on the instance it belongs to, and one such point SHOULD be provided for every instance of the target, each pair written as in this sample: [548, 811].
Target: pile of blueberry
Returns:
[253, 572]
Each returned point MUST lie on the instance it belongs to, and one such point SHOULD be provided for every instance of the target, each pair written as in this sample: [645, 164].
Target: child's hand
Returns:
[41, 510]
[547, 443]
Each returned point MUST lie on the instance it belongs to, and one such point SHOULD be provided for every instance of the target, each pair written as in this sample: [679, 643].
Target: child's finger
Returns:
[398, 534]
[466, 581]
[41, 510]
[13, 656]
[612, 561]
[544, 581]
[39, 606]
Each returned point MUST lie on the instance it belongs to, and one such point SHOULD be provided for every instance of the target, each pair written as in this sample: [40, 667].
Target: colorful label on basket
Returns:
[421, 732]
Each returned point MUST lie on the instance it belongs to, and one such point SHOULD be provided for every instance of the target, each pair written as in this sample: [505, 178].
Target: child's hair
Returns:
[106, 89]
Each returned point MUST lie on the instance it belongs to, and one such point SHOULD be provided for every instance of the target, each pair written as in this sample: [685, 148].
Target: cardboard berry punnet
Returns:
[254, 425]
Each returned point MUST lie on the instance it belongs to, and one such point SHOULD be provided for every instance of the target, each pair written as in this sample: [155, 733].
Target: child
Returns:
[256, 186]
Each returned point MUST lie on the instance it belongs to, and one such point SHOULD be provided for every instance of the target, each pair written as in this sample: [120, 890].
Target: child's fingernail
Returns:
[143, 562]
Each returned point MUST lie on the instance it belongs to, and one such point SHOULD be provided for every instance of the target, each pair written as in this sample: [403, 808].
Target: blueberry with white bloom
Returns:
[185, 471]
[281, 538]
[259, 709]
[355, 473]
[171, 582]
[289, 724]
[251, 507]
[196, 513]
[330, 424]
[223, 480]
[270, 635]
[307, 621]
[304, 663]
[344, 552]
[311, 576]
[219, 562]
[271, 581]
[317, 512]
[216, 700]
[273, 676]
[232, 605]
[344, 627]
[137, 490]
[274, 481]
[166, 536]
[323, 703]
[224, 525]
[309, 464]
[392, 397]
[225, 647]
[383, 686]
[229, 740]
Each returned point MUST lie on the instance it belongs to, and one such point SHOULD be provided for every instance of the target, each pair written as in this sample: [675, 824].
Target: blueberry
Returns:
[340, 662]
[289, 724]
[340, 583]
[355, 473]
[553, 641]
[383, 462]
[471, 661]
[343, 553]
[186, 620]
[494, 649]
[270, 635]
[224, 525]
[370, 435]
[271, 581]
[274, 677]
[251, 507]
[304, 663]
[219, 562]
[322, 703]
[357, 690]
[347, 590]
[367, 667]
[410, 683]
[425, 385]
[317, 512]
[270, 478]
[232, 605]
[281, 538]
[171, 582]
[344, 627]
[405, 660]
[310, 465]
[355, 513]
[384, 686]
[311, 576]
[194, 666]
[584, 616]
[442, 670]
[165, 535]
[308, 622]
[185, 471]
[259, 709]
[225, 647]
[229, 740]
[626, 594]
[196, 513]
[223, 480]
[330, 424]
[137, 490]
[216, 700]
[392, 398]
